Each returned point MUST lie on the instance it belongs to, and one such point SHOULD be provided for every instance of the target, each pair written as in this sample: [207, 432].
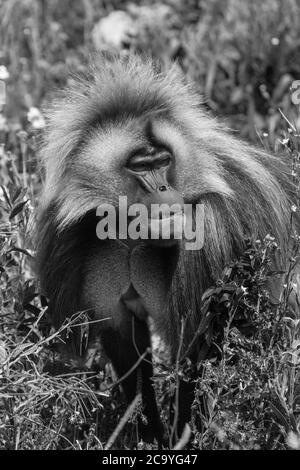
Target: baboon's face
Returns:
[137, 160]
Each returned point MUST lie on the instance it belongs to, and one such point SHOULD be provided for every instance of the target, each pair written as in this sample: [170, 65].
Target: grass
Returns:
[248, 392]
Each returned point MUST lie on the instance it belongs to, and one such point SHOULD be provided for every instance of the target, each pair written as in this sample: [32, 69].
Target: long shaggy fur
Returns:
[246, 192]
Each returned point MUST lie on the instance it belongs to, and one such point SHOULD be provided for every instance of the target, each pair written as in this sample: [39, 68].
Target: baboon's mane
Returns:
[250, 191]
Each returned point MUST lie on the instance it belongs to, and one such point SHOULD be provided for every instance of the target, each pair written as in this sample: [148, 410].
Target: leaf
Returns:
[3, 352]
[225, 298]
[208, 293]
[6, 196]
[280, 415]
[229, 287]
[19, 194]
[17, 209]
[31, 308]
[20, 250]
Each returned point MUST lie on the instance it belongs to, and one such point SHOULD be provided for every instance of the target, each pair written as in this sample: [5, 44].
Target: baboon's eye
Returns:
[163, 160]
[140, 163]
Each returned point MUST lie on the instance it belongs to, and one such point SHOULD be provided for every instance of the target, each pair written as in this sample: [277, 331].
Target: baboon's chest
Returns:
[139, 278]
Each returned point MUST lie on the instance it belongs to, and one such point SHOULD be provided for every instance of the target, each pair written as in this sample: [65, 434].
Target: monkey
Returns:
[128, 129]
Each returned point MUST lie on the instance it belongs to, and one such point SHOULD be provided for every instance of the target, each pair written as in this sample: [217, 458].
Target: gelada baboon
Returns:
[129, 130]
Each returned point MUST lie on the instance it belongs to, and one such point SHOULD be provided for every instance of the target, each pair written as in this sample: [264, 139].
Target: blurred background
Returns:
[242, 55]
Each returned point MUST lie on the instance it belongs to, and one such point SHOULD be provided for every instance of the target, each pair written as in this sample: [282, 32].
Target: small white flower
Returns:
[293, 440]
[115, 29]
[294, 208]
[268, 238]
[275, 41]
[33, 113]
[36, 118]
[4, 74]
[39, 123]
